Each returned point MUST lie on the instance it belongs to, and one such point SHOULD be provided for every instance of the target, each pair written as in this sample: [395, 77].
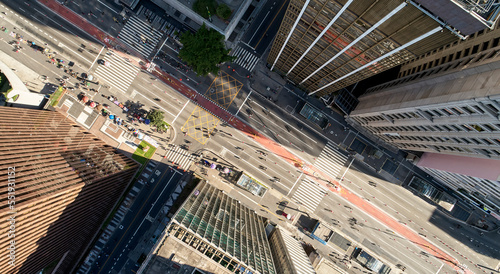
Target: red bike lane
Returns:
[271, 145]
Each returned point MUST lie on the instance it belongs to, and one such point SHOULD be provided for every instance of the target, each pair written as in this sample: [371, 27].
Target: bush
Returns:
[200, 7]
[223, 11]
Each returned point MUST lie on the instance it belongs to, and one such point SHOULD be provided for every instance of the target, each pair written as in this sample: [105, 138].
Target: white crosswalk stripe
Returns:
[245, 59]
[180, 157]
[135, 32]
[331, 160]
[309, 194]
[119, 74]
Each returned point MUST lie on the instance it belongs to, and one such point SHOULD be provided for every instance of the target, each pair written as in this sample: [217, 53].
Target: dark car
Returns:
[37, 47]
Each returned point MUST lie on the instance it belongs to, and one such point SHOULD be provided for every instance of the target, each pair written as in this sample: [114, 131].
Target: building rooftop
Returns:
[222, 229]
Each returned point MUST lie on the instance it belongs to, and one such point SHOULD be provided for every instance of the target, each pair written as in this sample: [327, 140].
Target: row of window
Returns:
[423, 73]
[487, 152]
[472, 184]
[454, 56]
[463, 110]
[468, 51]
[444, 128]
[456, 140]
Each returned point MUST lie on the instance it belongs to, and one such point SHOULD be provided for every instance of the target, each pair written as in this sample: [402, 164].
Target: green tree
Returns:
[200, 7]
[156, 117]
[204, 50]
[223, 11]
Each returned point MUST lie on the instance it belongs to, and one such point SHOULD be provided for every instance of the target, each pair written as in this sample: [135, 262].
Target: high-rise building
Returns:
[219, 228]
[58, 184]
[288, 254]
[445, 102]
[326, 45]
[477, 180]
[452, 107]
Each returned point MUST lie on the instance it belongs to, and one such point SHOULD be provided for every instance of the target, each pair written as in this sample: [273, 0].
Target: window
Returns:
[447, 128]
[467, 127]
[495, 42]
[455, 128]
[475, 49]
[449, 112]
[450, 57]
[488, 127]
[487, 141]
[457, 110]
[466, 52]
[485, 45]
[468, 109]
[443, 60]
[479, 110]
[458, 55]
[476, 141]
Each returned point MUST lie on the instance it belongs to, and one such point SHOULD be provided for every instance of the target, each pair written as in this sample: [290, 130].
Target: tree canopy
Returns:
[204, 50]
[156, 117]
[223, 11]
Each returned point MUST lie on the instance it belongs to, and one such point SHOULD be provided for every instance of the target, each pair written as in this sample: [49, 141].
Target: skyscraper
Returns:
[288, 254]
[326, 45]
[219, 228]
[445, 102]
[58, 184]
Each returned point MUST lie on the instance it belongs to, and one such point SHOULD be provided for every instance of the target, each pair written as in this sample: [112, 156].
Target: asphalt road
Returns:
[265, 25]
[271, 118]
[128, 236]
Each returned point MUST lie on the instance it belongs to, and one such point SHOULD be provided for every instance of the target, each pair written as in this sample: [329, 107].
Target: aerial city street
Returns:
[250, 136]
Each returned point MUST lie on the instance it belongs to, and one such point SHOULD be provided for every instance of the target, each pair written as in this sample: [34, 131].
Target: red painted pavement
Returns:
[276, 148]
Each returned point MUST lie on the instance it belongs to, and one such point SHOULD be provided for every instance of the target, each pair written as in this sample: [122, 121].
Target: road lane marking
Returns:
[135, 217]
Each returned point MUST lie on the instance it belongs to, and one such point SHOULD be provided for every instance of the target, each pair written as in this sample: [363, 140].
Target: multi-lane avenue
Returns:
[283, 138]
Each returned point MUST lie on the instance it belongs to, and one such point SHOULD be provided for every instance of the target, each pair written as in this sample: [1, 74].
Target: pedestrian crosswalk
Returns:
[309, 194]
[140, 36]
[245, 59]
[180, 156]
[118, 72]
[331, 160]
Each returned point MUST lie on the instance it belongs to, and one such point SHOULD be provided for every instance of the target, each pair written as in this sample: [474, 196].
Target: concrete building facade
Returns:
[326, 45]
[59, 183]
[454, 112]
[445, 102]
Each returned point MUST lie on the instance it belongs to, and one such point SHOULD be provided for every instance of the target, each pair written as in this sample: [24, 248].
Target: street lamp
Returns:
[347, 169]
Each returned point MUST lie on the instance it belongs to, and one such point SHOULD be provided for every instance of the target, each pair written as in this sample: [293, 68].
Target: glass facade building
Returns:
[63, 181]
[235, 233]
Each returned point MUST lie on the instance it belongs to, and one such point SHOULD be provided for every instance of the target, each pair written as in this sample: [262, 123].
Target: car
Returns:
[37, 47]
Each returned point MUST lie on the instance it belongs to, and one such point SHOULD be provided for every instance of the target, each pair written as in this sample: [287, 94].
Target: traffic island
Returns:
[144, 152]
